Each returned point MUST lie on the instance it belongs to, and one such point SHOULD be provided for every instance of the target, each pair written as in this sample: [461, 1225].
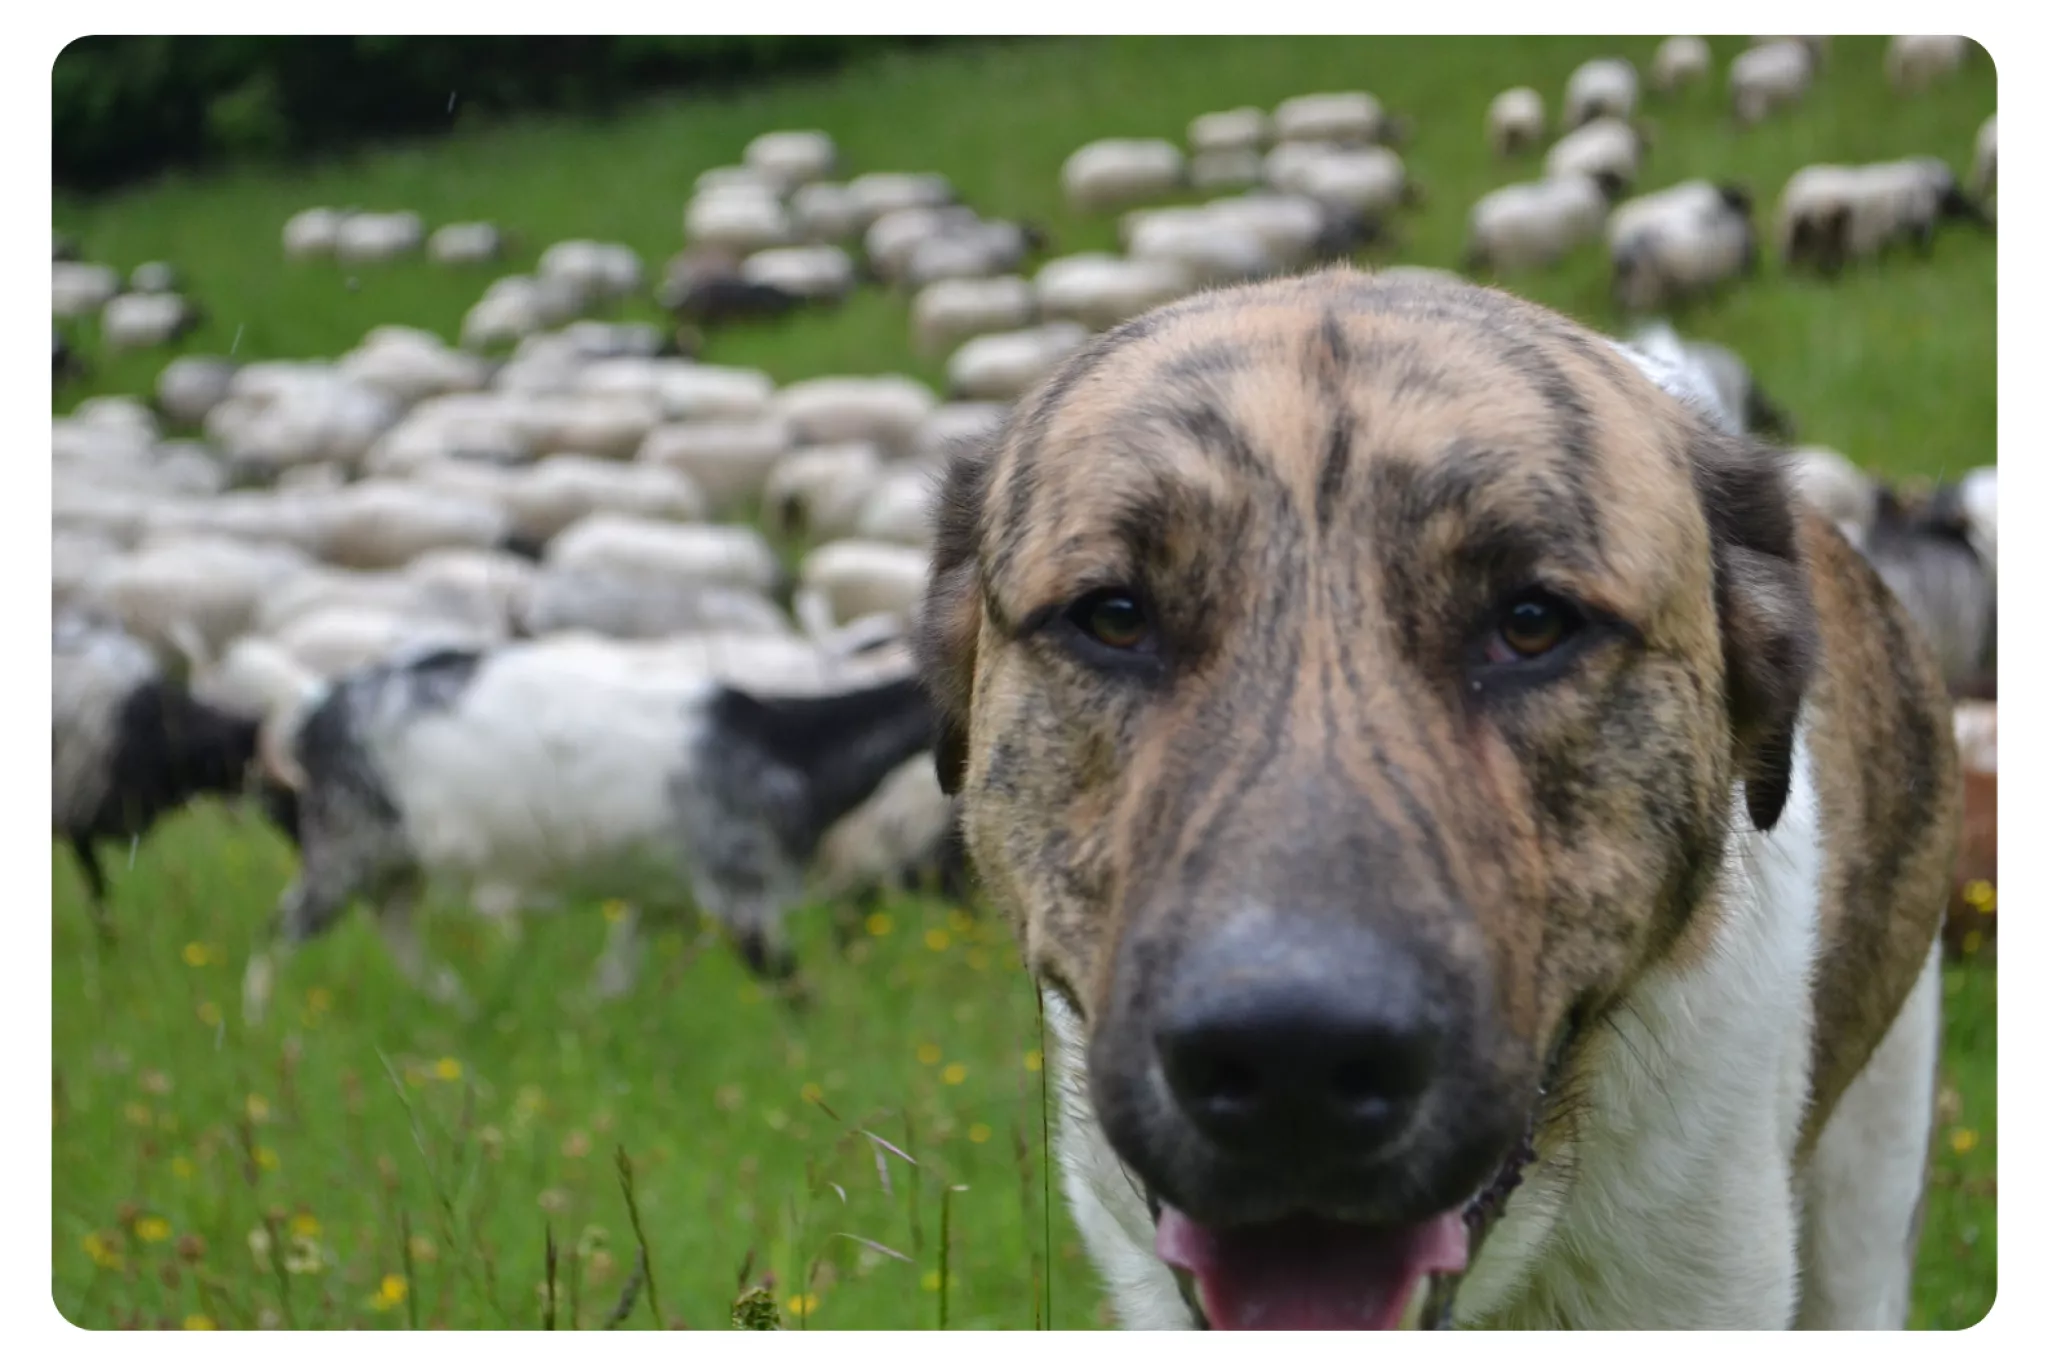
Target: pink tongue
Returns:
[1310, 1274]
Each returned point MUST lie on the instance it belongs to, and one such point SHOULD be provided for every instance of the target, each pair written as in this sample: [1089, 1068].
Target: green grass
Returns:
[699, 1078]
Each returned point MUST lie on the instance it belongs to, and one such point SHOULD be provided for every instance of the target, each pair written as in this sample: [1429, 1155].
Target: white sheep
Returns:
[335, 640]
[1207, 244]
[1769, 77]
[311, 233]
[412, 365]
[1679, 62]
[902, 828]
[1099, 290]
[1292, 228]
[792, 157]
[898, 509]
[1605, 87]
[465, 243]
[950, 311]
[1237, 169]
[1816, 47]
[1533, 224]
[747, 179]
[890, 239]
[1679, 243]
[1984, 160]
[953, 423]
[818, 491]
[885, 191]
[825, 212]
[189, 597]
[139, 321]
[77, 557]
[813, 272]
[1605, 150]
[1514, 120]
[379, 523]
[682, 555]
[866, 577]
[737, 220]
[631, 606]
[883, 408]
[966, 251]
[600, 271]
[516, 306]
[1370, 182]
[728, 460]
[378, 237]
[190, 386]
[79, 289]
[1230, 130]
[153, 276]
[279, 416]
[1842, 492]
[1913, 62]
[557, 491]
[1351, 117]
[1828, 215]
[1005, 365]
[1117, 172]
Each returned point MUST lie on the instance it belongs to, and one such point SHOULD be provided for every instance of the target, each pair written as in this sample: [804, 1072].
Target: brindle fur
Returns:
[1319, 488]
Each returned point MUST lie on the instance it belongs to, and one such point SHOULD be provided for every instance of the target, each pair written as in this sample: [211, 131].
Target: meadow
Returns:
[364, 1159]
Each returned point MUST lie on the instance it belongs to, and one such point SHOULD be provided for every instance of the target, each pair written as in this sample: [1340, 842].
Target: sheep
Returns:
[312, 233]
[824, 213]
[335, 640]
[563, 488]
[1679, 243]
[1099, 290]
[1816, 47]
[598, 271]
[1117, 172]
[1829, 215]
[866, 577]
[1205, 243]
[516, 306]
[78, 289]
[153, 276]
[628, 606]
[815, 273]
[818, 491]
[63, 246]
[880, 192]
[737, 220]
[792, 158]
[188, 597]
[1744, 400]
[611, 426]
[465, 243]
[129, 744]
[1604, 87]
[1925, 554]
[192, 385]
[1240, 169]
[315, 415]
[706, 392]
[1533, 224]
[138, 321]
[968, 251]
[884, 408]
[949, 311]
[1769, 77]
[705, 285]
[1680, 62]
[377, 237]
[412, 365]
[679, 555]
[728, 460]
[898, 507]
[1349, 117]
[746, 179]
[1514, 121]
[889, 240]
[905, 836]
[1984, 160]
[953, 423]
[1370, 182]
[578, 767]
[1842, 492]
[1230, 130]
[1914, 62]
[1292, 229]
[65, 363]
[381, 523]
[1606, 150]
[1007, 364]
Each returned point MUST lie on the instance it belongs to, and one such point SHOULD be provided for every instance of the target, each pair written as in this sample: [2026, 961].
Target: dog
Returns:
[1481, 843]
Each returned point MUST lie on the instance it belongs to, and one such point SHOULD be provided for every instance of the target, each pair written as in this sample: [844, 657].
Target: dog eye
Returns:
[1111, 618]
[1532, 625]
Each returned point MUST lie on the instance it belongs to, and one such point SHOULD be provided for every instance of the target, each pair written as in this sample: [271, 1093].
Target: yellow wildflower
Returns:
[938, 939]
[1962, 1140]
[306, 1224]
[266, 1158]
[979, 1133]
[258, 1107]
[1973, 942]
[959, 922]
[931, 1281]
[448, 1068]
[390, 1293]
[195, 954]
[928, 1054]
[152, 1229]
[209, 1013]
[614, 910]
[880, 924]
[803, 1304]
[199, 1322]
[104, 1249]
[954, 1073]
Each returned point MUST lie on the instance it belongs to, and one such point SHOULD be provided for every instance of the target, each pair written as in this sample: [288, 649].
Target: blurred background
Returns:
[367, 345]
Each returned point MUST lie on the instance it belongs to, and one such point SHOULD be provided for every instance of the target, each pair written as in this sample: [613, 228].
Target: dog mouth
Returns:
[1316, 1273]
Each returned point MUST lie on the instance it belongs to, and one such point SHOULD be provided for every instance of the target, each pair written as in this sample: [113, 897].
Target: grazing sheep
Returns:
[1605, 87]
[578, 768]
[889, 240]
[792, 158]
[336, 640]
[1831, 215]
[385, 524]
[905, 836]
[1744, 400]
[681, 556]
[516, 306]
[1680, 62]
[153, 276]
[1230, 130]
[883, 408]
[884, 191]
[864, 577]
[1984, 160]
[192, 385]
[898, 509]
[825, 213]
[1606, 150]
[712, 298]
[728, 460]
[412, 365]
[818, 491]
[1680, 243]
[1514, 121]
[1914, 62]
[1005, 365]
[1533, 224]
[1239, 169]
[812, 273]
[746, 179]
[1099, 290]
[1294, 229]
[465, 243]
[377, 237]
[968, 251]
[630, 606]
[312, 233]
[738, 220]
[1347, 118]
[1816, 47]
[545, 498]
[1769, 77]
[1208, 244]
[950, 311]
[139, 321]
[78, 289]
[187, 597]
[1117, 172]
[128, 744]
[598, 271]
[1368, 182]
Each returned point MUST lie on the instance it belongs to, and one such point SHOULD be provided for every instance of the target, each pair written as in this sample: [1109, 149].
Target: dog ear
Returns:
[1769, 637]
[949, 623]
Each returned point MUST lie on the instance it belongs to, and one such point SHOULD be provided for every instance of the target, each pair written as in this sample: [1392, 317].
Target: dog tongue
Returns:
[1310, 1274]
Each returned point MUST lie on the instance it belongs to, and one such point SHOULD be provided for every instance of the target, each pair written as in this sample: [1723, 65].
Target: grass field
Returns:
[366, 1160]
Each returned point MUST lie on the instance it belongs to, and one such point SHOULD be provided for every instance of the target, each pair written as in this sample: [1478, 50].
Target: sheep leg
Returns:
[398, 925]
[619, 965]
[95, 885]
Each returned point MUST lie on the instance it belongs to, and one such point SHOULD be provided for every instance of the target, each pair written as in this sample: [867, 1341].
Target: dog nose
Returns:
[1327, 1062]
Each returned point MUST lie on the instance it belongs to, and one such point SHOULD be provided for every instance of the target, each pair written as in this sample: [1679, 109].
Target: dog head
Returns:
[1346, 683]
